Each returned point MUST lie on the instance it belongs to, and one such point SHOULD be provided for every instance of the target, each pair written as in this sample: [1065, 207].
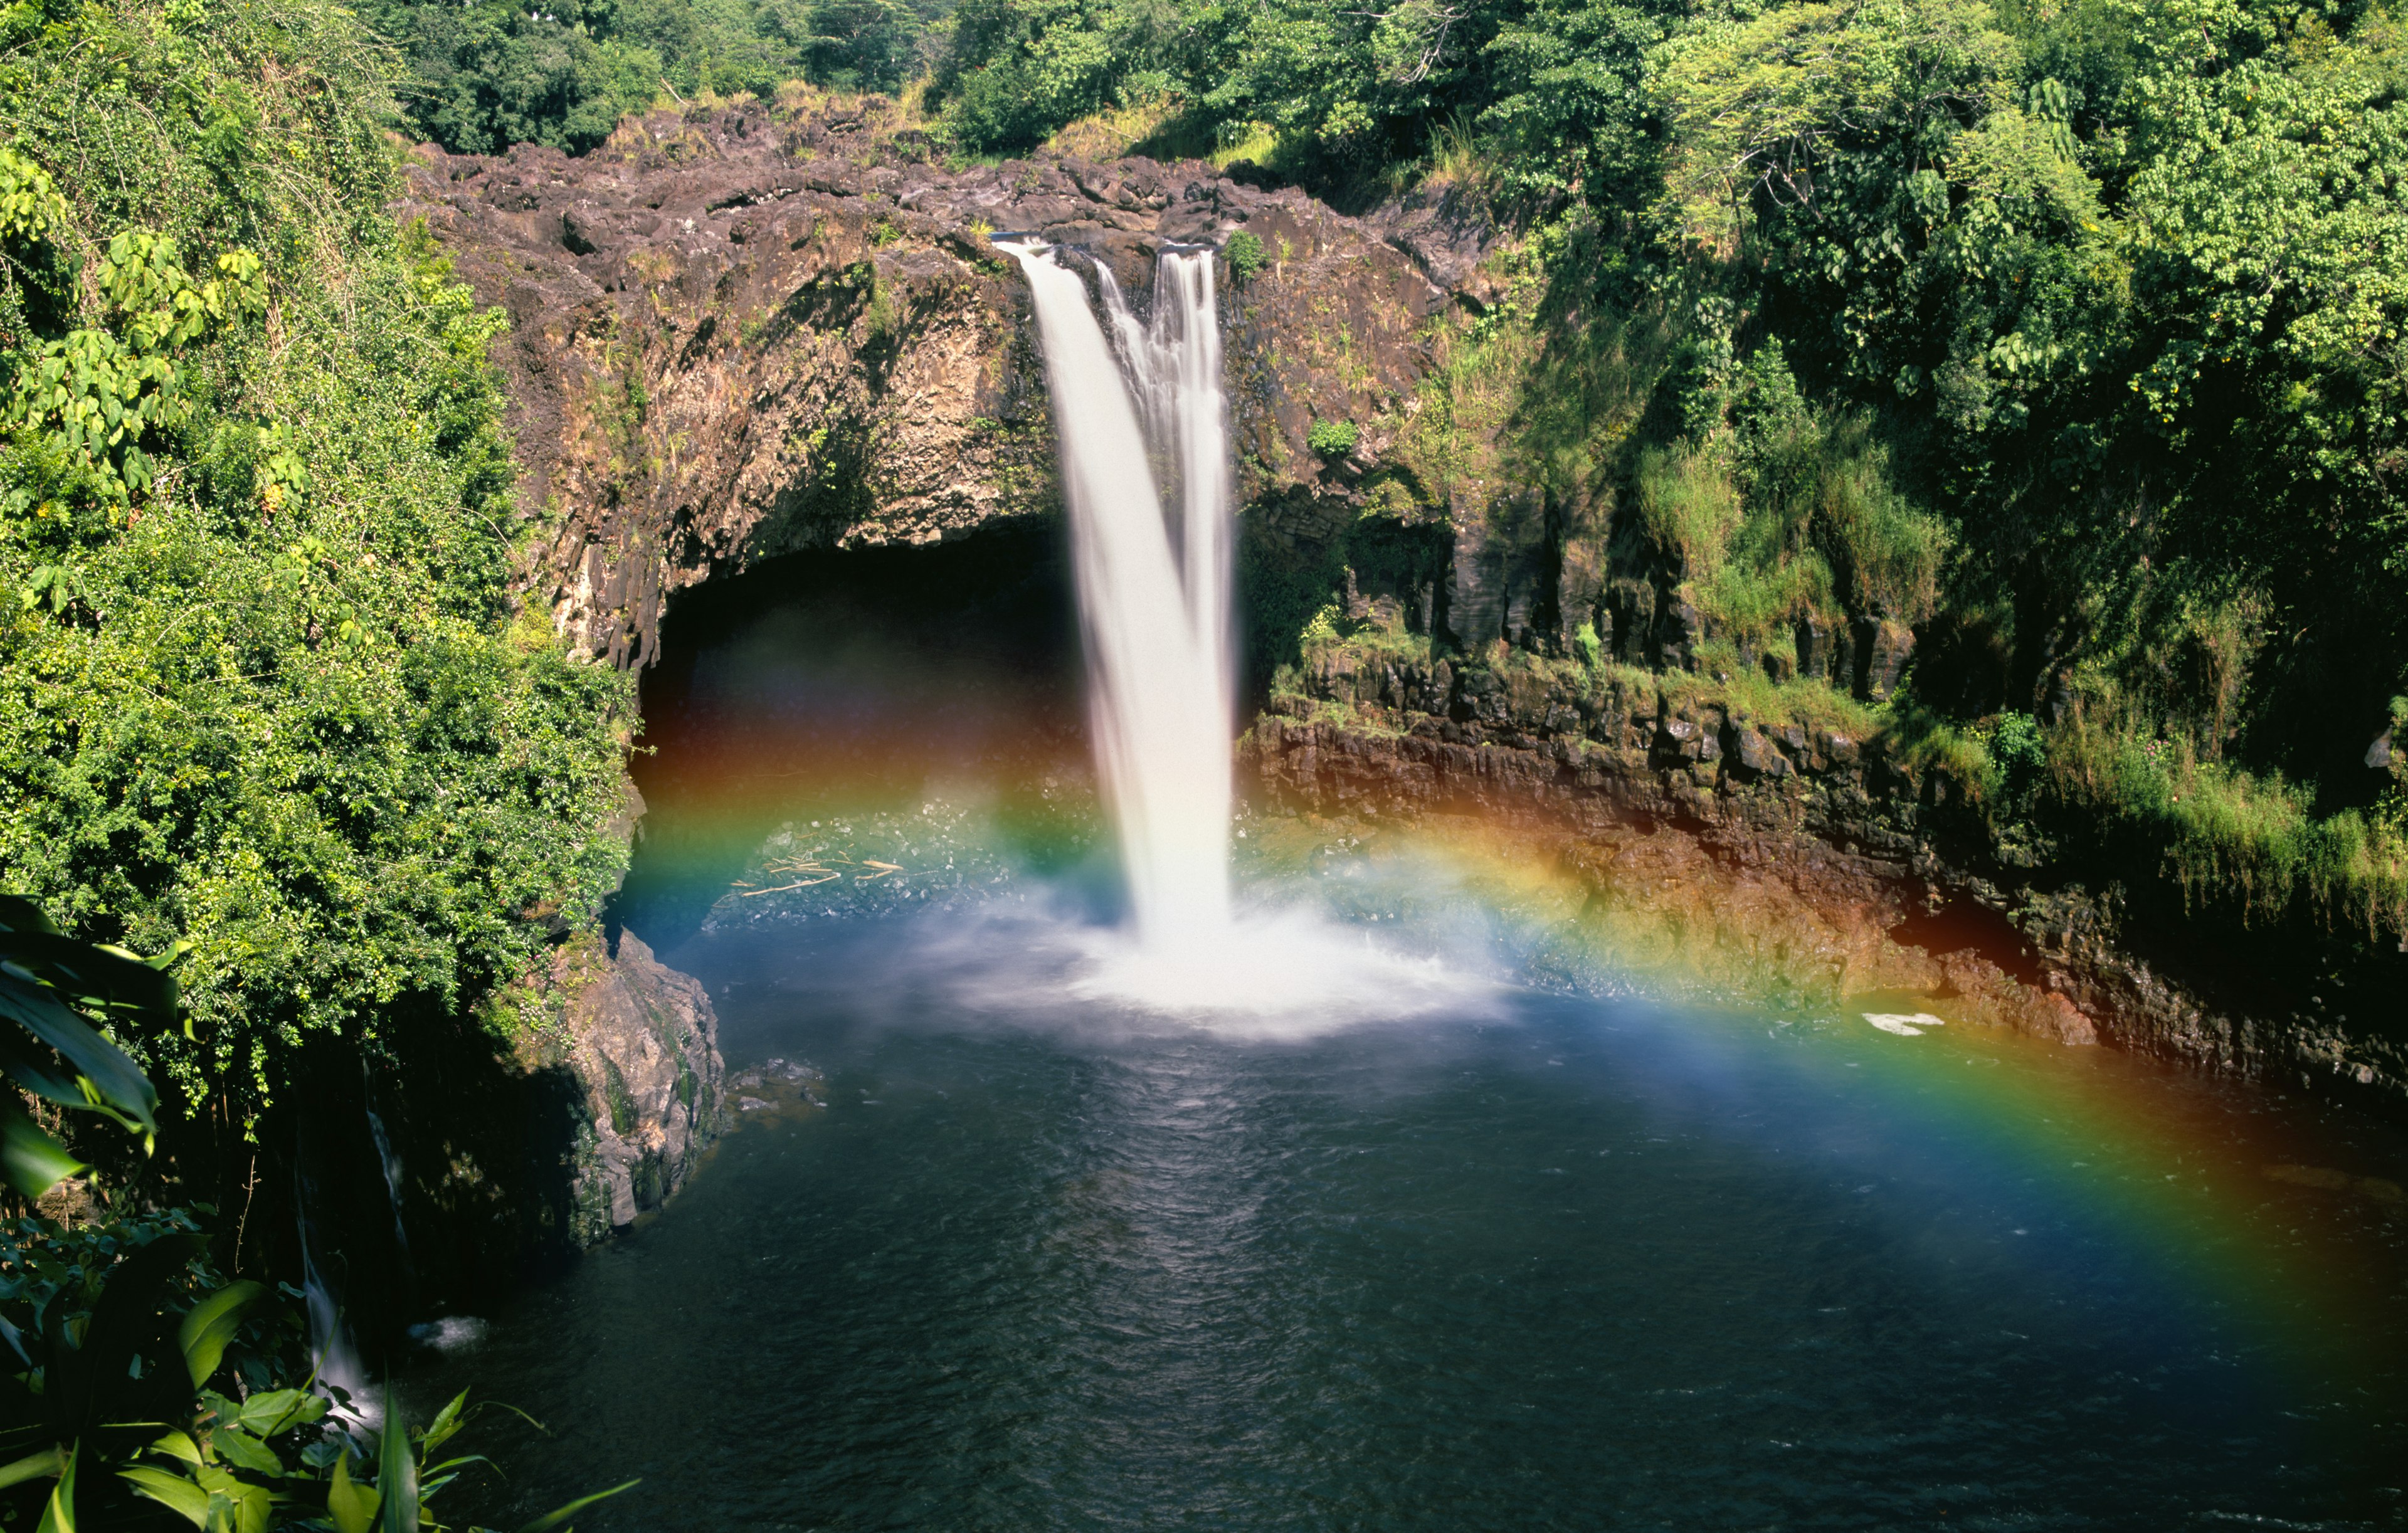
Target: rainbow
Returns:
[2272, 1220]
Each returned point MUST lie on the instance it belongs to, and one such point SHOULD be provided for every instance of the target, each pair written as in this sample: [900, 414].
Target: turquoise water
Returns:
[1525, 1260]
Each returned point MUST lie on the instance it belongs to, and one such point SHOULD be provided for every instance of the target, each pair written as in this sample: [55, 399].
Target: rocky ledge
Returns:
[1835, 861]
[741, 333]
[643, 1042]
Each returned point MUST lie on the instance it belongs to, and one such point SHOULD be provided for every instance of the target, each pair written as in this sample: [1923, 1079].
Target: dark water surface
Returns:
[1564, 1263]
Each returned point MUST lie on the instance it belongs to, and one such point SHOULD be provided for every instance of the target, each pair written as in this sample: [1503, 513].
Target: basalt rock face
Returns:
[461, 1155]
[1866, 873]
[737, 335]
[643, 1041]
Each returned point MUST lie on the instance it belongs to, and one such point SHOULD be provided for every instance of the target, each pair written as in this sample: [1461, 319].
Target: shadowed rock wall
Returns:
[1868, 872]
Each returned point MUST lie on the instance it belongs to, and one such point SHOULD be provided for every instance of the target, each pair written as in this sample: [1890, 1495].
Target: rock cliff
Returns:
[1845, 864]
[745, 332]
[643, 1041]
[737, 334]
[741, 333]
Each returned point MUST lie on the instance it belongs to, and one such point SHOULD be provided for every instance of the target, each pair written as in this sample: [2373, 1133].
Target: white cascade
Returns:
[1139, 423]
[388, 1161]
[334, 1358]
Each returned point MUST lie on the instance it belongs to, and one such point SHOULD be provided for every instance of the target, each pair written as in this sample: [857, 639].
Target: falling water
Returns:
[390, 1163]
[334, 1358]
[1139, 423]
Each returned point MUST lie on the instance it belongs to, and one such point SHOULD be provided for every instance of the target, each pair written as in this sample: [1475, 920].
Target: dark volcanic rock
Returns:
[737, 335]
[1852, 865]
[1882, 648]
[644, 1043]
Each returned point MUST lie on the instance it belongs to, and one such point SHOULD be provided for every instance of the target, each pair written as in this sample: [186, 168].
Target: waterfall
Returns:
[332, 1355]
[1143, 433]
[387, 1161]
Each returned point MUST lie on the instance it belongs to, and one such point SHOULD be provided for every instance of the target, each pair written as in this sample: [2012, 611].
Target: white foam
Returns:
[1904, 1023]
[1269, 976]
[451, 1333]
[1281, 975]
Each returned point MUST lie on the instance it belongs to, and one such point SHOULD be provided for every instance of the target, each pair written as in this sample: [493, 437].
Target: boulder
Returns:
[1814, 649]
[1756, 754]
[644, 1044]
[1683, 629]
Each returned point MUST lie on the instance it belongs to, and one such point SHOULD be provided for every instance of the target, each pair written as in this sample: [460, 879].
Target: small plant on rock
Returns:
[1246, 257]
[2020, 753]
[1333, 438]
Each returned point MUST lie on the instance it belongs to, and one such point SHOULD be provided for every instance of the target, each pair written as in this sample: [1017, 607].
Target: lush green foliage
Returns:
[1330, 92]
[259, 692]
[2072, 334]
[137, 1378]
[123, 1329]
[55, 987]
[487, 74]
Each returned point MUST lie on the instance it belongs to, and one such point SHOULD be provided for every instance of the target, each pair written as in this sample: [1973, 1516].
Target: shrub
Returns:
[1333, 438]
[1246, 257]
[1589, 646]
[2019, 752]
[269, 700]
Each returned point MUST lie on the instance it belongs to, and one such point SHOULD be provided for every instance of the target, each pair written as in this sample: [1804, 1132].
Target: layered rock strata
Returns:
[1834, 860]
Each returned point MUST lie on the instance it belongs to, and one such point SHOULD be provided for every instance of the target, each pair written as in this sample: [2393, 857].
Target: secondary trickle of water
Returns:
[334, 1358]
[389, 1162]
[1140, 422]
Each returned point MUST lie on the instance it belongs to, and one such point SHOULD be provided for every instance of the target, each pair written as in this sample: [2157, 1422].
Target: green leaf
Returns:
[396, 1472]
[239, 1448]
[104, 1064]
[172, 1491]
[268, 1413]
[210, 1325]
[446, 1423]
[94, 972]
[59, 1515]
[32, 1467]
[550, 1520]
[20, 914]
[32, 1161]
[179, 1446]
[353, 1506]
[36, 1073]
[254, 1508]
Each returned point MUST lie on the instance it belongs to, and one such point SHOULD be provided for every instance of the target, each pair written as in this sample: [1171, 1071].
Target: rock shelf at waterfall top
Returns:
[738, 334]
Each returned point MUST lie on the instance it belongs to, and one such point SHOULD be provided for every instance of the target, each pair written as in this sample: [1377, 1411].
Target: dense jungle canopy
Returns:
[2070, 334]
